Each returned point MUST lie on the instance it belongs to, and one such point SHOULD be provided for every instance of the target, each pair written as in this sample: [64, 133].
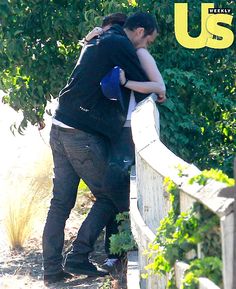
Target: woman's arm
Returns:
[95, 32]
[156, 83]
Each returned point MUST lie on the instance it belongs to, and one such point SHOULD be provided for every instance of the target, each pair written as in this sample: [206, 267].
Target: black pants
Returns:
[117, 178]
[77, 154]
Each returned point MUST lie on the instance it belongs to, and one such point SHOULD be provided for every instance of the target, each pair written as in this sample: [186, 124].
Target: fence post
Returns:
[228, 227]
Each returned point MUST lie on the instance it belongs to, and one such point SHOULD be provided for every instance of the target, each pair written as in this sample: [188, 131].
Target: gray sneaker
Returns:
[111, 264]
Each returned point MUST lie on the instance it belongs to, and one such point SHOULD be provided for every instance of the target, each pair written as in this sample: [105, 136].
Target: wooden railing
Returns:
[150, 204]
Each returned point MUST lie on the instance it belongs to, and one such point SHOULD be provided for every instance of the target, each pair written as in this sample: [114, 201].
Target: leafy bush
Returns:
[209, 266]
[216, 175]
[123, 241]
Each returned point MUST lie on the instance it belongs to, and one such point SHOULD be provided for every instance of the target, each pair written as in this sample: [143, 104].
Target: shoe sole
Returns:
[56, 280]
[86, 272]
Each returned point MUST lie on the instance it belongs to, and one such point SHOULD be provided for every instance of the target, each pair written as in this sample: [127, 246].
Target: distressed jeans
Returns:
[76, 155]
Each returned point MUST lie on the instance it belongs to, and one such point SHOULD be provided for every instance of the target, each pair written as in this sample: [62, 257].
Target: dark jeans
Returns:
[77, 154]
[117, 178]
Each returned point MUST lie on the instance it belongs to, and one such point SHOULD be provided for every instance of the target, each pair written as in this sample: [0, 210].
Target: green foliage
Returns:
[173, 191]
[39, 45]
[123, 241]
[213, 174]
[107, 284]
[210, 267]
[198, 120]
[190, 281]
[179, 234]
[82, 187]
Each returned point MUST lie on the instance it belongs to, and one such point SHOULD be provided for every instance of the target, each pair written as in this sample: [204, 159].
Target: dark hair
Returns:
[144, 20]
[114, 18]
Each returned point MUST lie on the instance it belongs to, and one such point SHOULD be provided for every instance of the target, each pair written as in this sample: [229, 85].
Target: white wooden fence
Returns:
[149, 201]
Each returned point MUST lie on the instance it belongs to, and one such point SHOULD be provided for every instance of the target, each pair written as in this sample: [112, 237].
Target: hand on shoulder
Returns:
[95, 32]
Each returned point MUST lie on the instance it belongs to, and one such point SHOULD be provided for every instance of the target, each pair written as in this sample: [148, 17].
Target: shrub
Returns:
[123, 241]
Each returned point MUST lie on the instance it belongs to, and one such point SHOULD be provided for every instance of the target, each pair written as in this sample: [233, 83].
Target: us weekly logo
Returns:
[216, 24]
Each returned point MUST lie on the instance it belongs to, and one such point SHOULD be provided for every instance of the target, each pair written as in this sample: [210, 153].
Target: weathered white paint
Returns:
[154, 162]
[133, 277]
[186, 201]
[143, 236]
[149, 181]
[205, 283]
[227, 228]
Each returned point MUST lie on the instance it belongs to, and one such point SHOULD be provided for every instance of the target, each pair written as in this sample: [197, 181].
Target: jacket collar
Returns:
[116, 28]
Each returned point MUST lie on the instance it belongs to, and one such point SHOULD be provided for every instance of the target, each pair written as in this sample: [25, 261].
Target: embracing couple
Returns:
[91, 138]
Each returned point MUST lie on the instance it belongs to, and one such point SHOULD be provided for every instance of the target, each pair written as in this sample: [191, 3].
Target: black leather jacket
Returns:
[81, 102]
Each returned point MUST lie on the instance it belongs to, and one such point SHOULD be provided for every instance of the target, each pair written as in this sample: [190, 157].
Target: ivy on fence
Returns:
[180, 234]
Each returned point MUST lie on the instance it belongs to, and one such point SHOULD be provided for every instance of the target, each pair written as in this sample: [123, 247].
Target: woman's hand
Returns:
[95, 32]
[161, 98]
[122, 77]
[41, 125]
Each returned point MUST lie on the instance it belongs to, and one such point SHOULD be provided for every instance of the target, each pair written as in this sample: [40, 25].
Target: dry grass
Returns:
[25, 203]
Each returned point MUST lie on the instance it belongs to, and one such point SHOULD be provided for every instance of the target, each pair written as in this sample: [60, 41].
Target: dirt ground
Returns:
[23, 268]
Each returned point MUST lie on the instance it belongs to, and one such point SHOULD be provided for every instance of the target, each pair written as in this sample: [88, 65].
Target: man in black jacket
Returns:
[84, 125]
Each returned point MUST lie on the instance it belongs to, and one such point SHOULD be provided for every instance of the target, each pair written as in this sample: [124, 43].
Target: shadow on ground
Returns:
[22, 269]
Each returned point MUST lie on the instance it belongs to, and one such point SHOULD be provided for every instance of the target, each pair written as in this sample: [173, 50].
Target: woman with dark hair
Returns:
[107, 22]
